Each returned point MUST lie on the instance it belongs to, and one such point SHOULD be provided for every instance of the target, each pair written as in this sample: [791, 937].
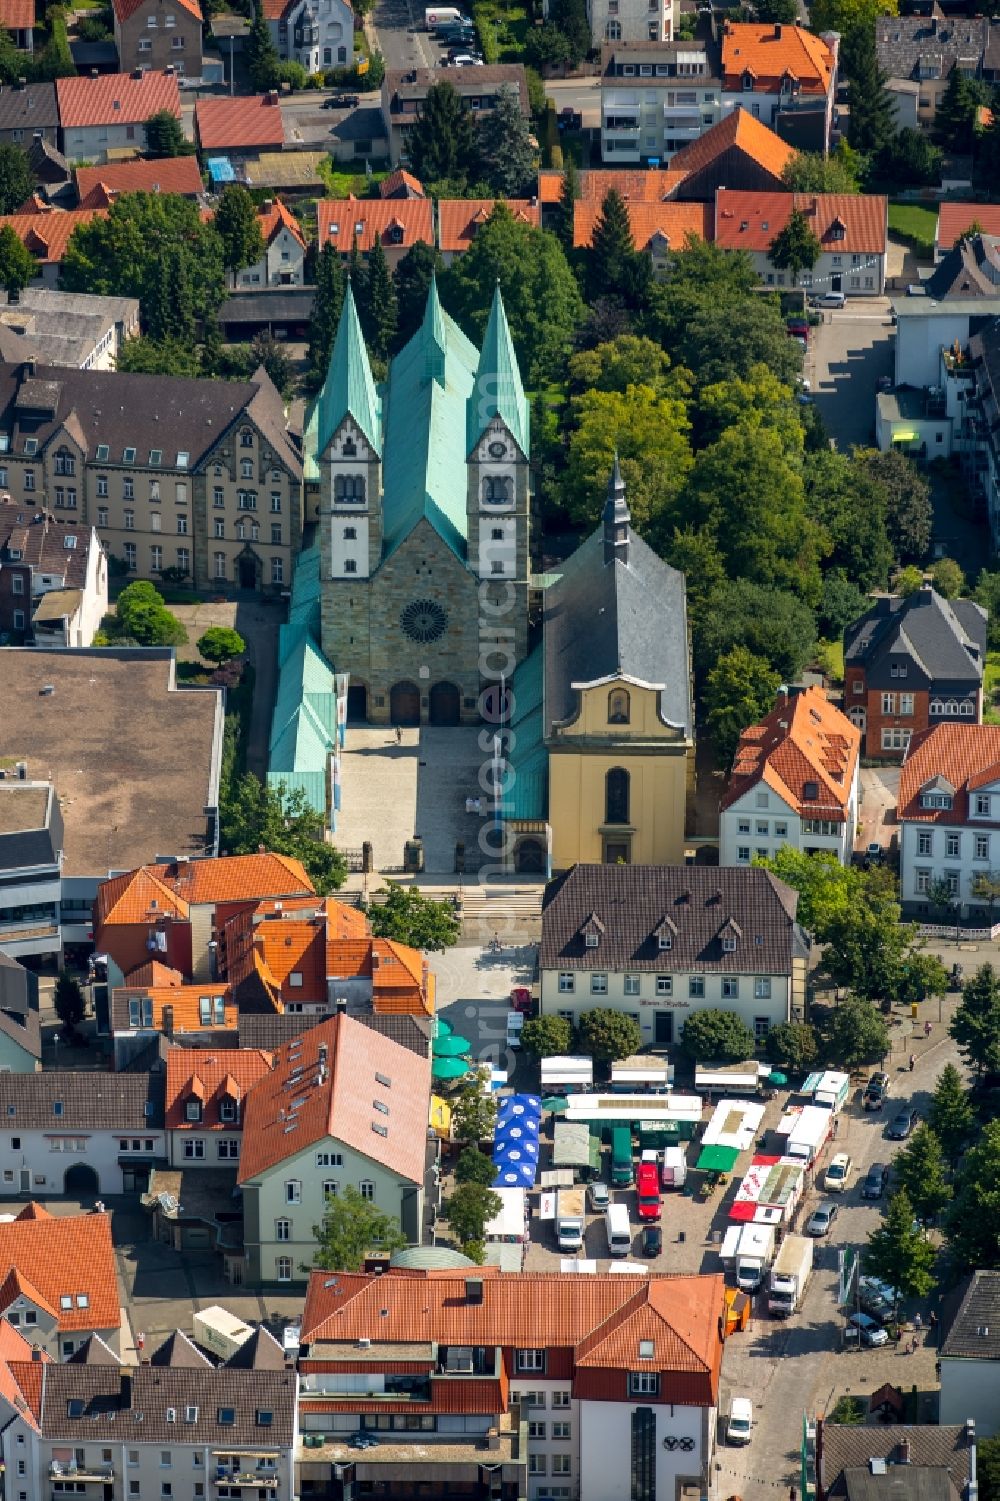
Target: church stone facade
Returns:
[423, 519]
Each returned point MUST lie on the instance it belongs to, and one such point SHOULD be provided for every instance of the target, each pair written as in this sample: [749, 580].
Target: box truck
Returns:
[828, 1089]
[810, 1133]
[441, 15]
[754, 1254]
[570, 1218]
[622, 1172]
[619, 1231]
[220, 1331]
[675, 1167]
[789, 1275]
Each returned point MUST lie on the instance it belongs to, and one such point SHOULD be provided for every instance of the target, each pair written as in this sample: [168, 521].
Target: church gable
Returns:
[348, 443]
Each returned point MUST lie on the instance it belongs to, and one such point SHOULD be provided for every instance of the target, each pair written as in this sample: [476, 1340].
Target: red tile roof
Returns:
[234, 1070]
[125, 9]
[740, 130]
[961, 757]
[641, 187]
[17, 15]
[338, 1092]
[116, 99]
[47, 235]
[224, 124]
[750, 221]
[955, 218]
[805, 740]
[184, 1002]
[394, 221]
[137, 896]
[459, 219]
[651, 223]
[15, 1348]
[99, 186]
[235, 878]
[401, 184]
[68, 1256]
[601, 1319]
[772, 53]
[153, 974]
[279, 217]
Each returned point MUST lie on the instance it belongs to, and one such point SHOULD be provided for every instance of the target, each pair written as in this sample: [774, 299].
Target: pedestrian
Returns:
[927, 1029]
[399, 735]
[912, 1062]
[933, 1321]
[792, 1493]
[913, 1344]
[918, 1322]
[836, 1128]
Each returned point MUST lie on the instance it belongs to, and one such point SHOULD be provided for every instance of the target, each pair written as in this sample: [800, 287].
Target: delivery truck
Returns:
[622, 1171]
[674, 1167]
[570, 1218]
[809, 1134]
[441, 15]
[828, 1090]
[789, 1275]
[220, 1331]
[754, 1254]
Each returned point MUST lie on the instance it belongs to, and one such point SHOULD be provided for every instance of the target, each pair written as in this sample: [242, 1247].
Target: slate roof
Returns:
[32, 108]
[849, 1447]
[25, 1030]
[87, 1101]
[239, 124]
[110, 1398]
[271, 1030]
[116, 99]
[970, 269]
[974, 1330]
[618, 619]
[414, 83]
[666, 224]
[99, 186]
[633, 900]
[342, 1098]
[42, 539]
[750, 221]
[802, 741]
[71, 1256]
[902, 43]
[942, 641]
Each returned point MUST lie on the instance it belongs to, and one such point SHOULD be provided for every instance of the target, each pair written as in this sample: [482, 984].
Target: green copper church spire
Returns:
[498, 391]
[433, 336]
[349, 388]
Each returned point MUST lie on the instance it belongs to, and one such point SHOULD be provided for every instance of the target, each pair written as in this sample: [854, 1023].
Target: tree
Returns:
[867, 950]
[255, 814]
[17, 181]
[792, 1046]
[468, 1212]
[871, 123]
[771, 623]
[988, 1468]
[571, 19]
[622, 362]
[649, 433]
[898, 1253]
[739, 691]
[412, 277]
[378, 310]
[220, 644]
[987, 594]
[849, 16]
[148, 356]
[840, 603]
[908, 581]
[614, 267]
[413, 919]
[18, 266]
[607, 1035]
[474, 1113]
[353, 1228]
[442, 144]
[827, 890]
[547, 1036]
[540, 294]
[474, 1166]
[55, 59]
[263, 63]
[973, 1222]
[701, 277]
[811, 172]
[857, 1033]
[238, 227]
[714, 1036]
[327, 304]
[723, 341]
[68, 1001]
[508, 159]
[154, 246]
[947, 578]
[165, 136]
[920, 1170]
[950, 1115]
[12, 61]
[955, 116]
[144, 617]
[908, 498]
[922, 975]
[565, 222]
[265, 350]
[975, 1026]
[851, 507]
[795, 248]
[911, 160]
[784, 11]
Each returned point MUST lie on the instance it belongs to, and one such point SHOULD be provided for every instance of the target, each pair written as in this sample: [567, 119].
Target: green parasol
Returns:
[557, 1103]
[442, 1028]
[449, 1068]
[777, 1077]
[451, 1047]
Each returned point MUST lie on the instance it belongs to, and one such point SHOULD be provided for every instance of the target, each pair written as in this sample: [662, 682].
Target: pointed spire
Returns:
[617, 517]
[433, 335]
[498, 391]
[349, 388]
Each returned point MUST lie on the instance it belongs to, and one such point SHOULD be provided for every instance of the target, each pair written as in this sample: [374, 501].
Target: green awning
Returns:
[717, 1159]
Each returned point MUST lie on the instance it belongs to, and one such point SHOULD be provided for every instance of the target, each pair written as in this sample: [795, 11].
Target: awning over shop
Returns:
[717, 1159]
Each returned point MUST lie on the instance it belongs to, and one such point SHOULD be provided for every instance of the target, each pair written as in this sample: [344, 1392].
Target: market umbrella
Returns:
[516, 1175]
[525, 1146]
[557, 1103]
[442, 1028]
[514, 1110]
[451, 1047]
[777, 1077]
[449, 1068]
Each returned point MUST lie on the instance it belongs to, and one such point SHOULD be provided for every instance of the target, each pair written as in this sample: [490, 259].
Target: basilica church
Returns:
[423, 519]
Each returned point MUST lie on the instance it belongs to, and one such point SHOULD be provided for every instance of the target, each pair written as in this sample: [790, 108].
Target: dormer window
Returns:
[665, 942]
[592, 939]
[192, 1110]
[936, 800]
[728, 943]
[228, 1110]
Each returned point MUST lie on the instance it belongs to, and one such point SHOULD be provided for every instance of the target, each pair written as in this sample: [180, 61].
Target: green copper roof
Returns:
[304, 724]
[498, 391]
[433, 335]
[349, 388]
[527, 795]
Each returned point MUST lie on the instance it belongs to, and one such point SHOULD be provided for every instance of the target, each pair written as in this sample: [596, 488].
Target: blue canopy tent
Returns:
[515, 1175]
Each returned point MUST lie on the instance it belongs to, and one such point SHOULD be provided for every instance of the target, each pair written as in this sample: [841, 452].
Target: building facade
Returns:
[949, 817]
[53, 578]
[319, 34]
[404, 92]
[657, 95]
[60, 1286]
[632, 20]
[106, 115]
[158, 34]
[31, 862]
[423, 518]
[970, 1358]
[924, 50]
[283, 261]
[852, 231]
[794, 782]
[784, 76]
[82, 1133]
[910, 664]
[664, 942]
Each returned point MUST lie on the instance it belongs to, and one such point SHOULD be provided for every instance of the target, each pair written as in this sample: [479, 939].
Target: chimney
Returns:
[904, 1451]
[94, 73]
[138, 74]
[777, 31]
[268, 205]
[168, 1021]
[36, 1353]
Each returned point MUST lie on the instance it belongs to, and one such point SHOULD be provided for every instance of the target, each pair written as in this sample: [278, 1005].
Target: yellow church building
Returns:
[601, 758]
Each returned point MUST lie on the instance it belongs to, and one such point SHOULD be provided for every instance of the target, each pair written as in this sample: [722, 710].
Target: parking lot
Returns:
[847, 354]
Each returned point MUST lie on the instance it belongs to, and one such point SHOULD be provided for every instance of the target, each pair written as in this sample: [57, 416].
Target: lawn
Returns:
[510, 27]
[343, 184]
[913, 222]
[991, 675]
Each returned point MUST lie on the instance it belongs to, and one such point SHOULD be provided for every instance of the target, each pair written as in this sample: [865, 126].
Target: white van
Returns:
[441, 15]
[675, 1168]
[515, 1025]
[619, 1231]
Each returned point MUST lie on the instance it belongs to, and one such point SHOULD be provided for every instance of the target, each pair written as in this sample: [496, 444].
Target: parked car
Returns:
[830, 299]
[342, 101]
[798, 328]
[955, 981]
[836, 1177]
[875, 1091]
[739, 1429]
[876, 1178]
[520, 1000]
[651, 1240]
[821, 1219]
[600, 1197]
[902, 1124]
[865, 1330]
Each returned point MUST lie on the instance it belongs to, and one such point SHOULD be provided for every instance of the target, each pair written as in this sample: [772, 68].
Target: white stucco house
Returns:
[949, 817]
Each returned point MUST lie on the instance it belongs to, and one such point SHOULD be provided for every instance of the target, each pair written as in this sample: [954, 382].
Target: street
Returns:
[401, 38]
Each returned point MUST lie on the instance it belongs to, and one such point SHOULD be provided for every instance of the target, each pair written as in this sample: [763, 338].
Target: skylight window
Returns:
[384, 1080]
[265, 1417]
[183, 458]
[66, 1300]
[103, 453]
[380, 1106]
[74, 1407]
[69, 542]
[227, 1417]
[31, 445]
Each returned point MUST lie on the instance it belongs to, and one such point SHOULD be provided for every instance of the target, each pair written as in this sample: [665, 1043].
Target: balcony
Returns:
[255, 1480]
[68, 1469]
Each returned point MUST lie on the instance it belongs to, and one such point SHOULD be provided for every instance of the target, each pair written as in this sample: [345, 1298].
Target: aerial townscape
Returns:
[500, 750]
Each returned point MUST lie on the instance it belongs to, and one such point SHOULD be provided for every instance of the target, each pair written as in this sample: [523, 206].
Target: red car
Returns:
[520, 1000]
[648, 1187]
